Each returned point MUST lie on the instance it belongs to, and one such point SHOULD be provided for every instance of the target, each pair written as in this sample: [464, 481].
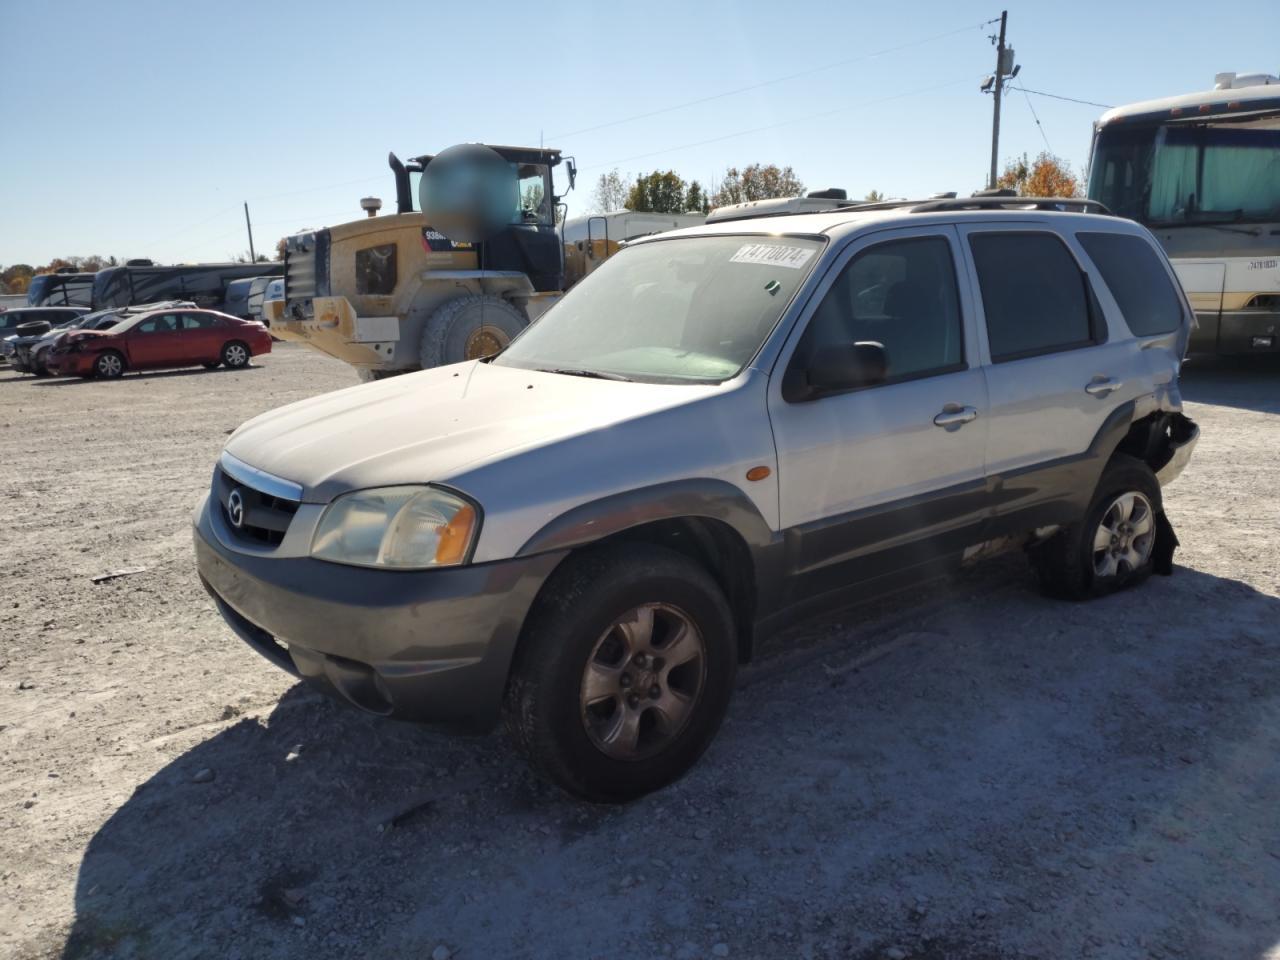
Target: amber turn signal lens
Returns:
[758, 473]
[455, 537]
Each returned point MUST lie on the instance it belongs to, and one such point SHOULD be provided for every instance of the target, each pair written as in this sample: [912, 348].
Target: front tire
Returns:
[109, 365]
[624, 673]
[1113, 547]
[469, 328]
[235, 355]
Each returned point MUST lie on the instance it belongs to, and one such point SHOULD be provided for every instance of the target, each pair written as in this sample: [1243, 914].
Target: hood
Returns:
[433, 425]
[71, 335]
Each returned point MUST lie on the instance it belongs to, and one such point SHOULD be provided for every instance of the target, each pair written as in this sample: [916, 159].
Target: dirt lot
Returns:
[971, 772]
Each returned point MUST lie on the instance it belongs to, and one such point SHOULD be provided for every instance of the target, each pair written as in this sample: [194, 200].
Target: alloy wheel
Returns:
[642, 681]
[1125, 535]
[237, 356]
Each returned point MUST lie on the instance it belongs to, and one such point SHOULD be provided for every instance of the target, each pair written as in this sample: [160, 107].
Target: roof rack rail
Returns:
[1049, 204]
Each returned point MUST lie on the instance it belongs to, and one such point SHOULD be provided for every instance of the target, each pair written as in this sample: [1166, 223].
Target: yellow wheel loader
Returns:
[390, 294]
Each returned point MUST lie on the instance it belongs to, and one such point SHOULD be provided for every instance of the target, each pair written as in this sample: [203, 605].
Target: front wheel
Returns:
[1113, 547]
[109, 365]
[625, 673]
[235, 355]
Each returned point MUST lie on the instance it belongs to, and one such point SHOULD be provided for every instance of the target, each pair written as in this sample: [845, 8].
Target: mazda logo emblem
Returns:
[235, 509]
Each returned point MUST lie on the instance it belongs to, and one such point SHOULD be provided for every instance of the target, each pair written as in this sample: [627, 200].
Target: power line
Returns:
[1054, 96]
[774, 126]
[1039, 126]
[766, 83]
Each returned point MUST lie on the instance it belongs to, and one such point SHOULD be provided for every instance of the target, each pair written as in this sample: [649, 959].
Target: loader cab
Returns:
[530, 244]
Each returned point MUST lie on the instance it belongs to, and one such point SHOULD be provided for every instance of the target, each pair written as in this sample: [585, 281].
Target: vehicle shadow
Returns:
[146, 375]
[1248, 383]
[1012, 777]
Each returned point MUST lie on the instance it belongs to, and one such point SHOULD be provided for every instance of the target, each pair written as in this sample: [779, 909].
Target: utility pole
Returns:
[1001, 70]
[253, 258]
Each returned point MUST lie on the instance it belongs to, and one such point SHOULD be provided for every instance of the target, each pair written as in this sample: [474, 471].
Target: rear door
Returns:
[203, 335]
[156, 341]
[1058, 368]
[890, 476]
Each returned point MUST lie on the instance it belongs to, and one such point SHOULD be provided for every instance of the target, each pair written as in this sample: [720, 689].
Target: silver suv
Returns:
[720, 429]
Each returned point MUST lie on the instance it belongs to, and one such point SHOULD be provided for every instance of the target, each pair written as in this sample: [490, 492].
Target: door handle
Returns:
[1101, 386]
[954, 415]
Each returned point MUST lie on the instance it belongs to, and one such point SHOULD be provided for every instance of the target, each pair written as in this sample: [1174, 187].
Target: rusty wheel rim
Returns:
[485, 342]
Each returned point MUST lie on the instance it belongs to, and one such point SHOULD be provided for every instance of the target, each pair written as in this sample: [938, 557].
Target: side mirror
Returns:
[837, 369]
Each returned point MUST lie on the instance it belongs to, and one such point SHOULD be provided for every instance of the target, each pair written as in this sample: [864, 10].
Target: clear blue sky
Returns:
[137, 128]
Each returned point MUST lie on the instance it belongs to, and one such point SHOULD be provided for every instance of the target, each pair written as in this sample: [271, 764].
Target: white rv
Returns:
[1202, 171]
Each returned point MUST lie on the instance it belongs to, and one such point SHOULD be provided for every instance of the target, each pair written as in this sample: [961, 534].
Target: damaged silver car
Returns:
[721, 429]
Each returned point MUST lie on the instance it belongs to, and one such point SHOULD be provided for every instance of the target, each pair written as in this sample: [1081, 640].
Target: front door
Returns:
[886, 477]
[156, 341]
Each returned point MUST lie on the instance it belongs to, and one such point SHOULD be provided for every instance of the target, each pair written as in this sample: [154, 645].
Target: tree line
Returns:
[665, 191]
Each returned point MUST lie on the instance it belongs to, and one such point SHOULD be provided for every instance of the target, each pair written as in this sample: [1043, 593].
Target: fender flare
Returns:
[705, 498]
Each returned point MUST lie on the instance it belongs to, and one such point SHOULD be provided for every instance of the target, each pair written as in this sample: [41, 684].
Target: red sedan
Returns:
[161, 338]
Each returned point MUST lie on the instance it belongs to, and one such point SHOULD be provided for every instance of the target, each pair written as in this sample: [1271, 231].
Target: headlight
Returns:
[408, 527]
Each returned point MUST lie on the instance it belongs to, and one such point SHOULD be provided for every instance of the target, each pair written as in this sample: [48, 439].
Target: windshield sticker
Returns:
[773, 255]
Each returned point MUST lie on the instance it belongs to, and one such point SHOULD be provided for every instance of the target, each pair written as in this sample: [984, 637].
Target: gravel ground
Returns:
[971, 771]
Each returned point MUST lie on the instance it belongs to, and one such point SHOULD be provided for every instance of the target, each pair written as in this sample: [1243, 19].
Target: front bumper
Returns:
[70, 364]
[432, 645]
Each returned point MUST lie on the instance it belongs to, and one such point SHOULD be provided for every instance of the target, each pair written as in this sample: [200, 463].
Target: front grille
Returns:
[306, 270]
[266, 518]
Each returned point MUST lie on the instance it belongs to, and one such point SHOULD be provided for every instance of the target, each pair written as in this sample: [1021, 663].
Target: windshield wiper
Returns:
[592, 374]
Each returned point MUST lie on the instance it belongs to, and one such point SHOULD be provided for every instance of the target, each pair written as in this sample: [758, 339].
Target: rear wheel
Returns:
[1113, 546]
[469, 328]
[109, 365]
[625, 672]
[235, 355]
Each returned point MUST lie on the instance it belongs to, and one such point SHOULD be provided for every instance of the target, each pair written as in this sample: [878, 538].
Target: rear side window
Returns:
[198, 321]
[1033, 294]
[1137, 279]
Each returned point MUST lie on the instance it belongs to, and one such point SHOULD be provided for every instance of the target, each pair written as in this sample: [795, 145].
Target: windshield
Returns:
[693, 309]
[1202, 173]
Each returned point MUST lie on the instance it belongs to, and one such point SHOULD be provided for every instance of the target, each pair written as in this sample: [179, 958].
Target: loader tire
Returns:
[469, 328]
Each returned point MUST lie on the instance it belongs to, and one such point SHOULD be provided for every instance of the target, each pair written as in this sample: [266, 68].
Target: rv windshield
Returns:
[1190, 174]
[686, 310]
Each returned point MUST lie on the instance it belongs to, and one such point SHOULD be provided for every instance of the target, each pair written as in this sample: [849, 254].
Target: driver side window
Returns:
[901, 294]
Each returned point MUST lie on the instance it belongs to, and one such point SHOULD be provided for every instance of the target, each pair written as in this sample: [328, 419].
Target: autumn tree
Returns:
[611, 192]
[756, 182]
[17, 277]
[281, 245]
[1046, 176]
[662, 191]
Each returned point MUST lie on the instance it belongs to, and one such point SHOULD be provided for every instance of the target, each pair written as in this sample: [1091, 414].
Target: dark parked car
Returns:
[22, 327]
[168, 337]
